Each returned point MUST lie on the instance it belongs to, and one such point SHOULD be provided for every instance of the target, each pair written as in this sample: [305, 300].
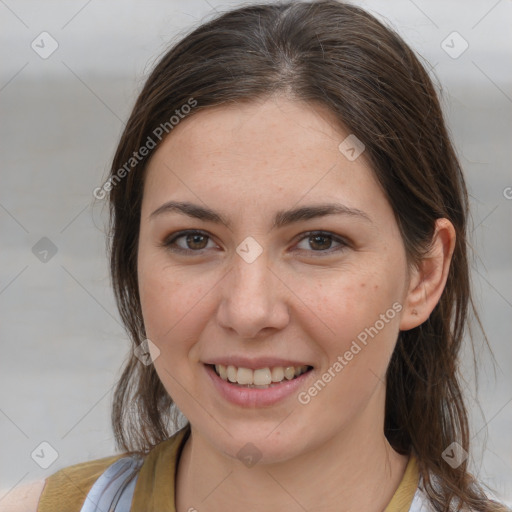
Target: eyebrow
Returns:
[282, 217]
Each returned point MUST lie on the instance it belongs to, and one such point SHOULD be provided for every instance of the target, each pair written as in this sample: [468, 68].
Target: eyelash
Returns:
[169, 241]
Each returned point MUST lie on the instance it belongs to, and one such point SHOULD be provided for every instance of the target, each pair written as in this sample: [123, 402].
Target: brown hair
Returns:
[342, 57]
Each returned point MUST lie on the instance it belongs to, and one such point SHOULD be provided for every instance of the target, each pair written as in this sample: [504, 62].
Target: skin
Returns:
[297, 298]
[23, 498]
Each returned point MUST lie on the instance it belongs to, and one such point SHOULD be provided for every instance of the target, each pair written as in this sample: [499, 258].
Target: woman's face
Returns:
[253, 285]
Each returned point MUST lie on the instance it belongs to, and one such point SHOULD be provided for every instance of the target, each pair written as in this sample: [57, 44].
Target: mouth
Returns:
[260, 378]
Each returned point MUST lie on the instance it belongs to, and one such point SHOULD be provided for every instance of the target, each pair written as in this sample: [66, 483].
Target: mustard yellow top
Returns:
[66, 489]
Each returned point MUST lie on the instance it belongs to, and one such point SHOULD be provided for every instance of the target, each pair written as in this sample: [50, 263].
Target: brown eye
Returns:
[189, 241]
[196, 241]
[321, 242]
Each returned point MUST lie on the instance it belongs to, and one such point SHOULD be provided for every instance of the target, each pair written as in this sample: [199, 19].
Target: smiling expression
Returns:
[263, 247]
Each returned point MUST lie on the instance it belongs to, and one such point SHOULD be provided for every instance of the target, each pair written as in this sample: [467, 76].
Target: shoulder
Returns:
[23, 498]
[66, 489]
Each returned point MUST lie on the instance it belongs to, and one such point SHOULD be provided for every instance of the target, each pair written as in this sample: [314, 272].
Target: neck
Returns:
[355, 469]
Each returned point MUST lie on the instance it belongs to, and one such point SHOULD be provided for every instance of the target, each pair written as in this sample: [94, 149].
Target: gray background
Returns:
[62, 344]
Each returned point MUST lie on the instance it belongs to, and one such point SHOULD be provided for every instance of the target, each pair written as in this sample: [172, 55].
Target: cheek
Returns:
[362, 313]
[164, 301]
[174, 304]
[348, 304]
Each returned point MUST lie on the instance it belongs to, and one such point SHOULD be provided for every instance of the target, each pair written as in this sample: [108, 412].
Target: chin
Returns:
[259, 442]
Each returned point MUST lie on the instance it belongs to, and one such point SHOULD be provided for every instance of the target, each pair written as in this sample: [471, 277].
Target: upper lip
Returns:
[254, 363]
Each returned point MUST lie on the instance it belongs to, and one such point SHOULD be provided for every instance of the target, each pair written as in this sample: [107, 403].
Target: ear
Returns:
[428, 279]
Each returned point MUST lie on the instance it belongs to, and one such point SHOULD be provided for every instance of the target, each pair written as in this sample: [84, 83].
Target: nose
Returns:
[253, 299]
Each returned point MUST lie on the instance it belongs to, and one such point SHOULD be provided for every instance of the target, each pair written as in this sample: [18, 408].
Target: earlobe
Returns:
[428, 279]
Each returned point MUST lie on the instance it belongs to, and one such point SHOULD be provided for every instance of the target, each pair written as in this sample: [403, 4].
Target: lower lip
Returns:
[256, 397]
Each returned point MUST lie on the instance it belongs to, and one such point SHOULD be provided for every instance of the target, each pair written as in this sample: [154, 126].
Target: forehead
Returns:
[269, 151]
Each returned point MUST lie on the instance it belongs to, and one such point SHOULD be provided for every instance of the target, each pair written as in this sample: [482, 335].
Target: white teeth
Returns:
[289, 372]
[260, 377]
[277, 374]
[222, 371]
[244, 376]
[231, 373]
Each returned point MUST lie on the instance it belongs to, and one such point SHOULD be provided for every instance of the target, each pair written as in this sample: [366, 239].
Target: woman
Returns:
[289, 258]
